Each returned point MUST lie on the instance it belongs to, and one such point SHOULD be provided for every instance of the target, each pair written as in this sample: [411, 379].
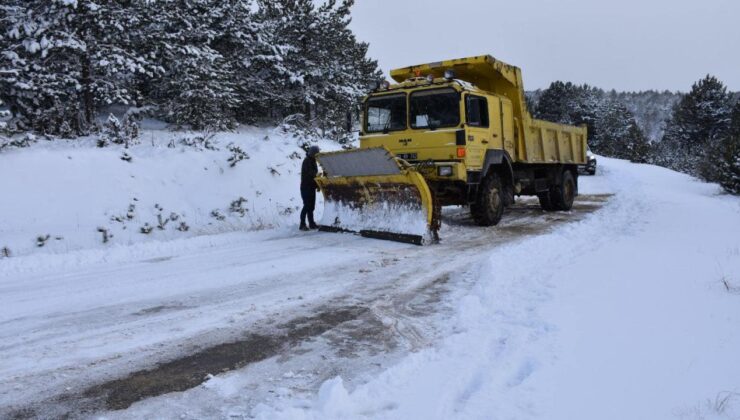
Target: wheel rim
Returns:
[494, 200]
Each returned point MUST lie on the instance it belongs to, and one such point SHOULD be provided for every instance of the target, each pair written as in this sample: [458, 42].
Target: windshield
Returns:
[435, 108]
[386, 113]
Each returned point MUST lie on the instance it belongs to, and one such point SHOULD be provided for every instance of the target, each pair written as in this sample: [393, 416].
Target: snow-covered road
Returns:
[632, 313]
[629, 310]
[67, 329]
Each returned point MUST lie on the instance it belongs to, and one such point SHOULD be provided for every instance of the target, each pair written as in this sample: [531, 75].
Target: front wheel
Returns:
[489, 205]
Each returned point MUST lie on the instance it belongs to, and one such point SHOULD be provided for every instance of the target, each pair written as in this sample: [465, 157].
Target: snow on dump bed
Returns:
[66, 196]
[630, 314]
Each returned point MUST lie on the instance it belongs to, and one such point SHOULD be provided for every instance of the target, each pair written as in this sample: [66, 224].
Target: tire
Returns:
[545, 201]
[563, 195]
[489, 205]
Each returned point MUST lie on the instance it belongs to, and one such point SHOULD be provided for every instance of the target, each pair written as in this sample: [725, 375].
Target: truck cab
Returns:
[445, 126]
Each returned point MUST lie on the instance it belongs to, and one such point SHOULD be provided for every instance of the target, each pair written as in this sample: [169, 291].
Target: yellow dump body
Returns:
[534, 141]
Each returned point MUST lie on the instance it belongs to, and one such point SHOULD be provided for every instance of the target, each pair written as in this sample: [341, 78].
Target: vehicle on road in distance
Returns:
[590, 166]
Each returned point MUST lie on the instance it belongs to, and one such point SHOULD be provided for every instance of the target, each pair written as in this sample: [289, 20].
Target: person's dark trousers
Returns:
[309, 203]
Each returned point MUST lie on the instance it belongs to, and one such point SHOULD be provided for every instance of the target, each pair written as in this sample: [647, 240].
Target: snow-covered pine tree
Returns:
[197, 87]
[651, 110]
[282, 56]
[639, 148]
[315, 67]
[345, 71]
[567, 103]
[699, 121]
[556, 103]
[69, 57]
[237, 40]
[726, 157]
[8, 14]
[611, 136]
[205, 63]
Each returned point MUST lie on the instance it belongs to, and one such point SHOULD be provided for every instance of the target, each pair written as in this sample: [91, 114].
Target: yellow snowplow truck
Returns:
[453, 132]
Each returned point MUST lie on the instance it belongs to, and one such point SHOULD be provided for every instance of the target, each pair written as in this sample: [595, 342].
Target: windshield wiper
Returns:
[387, 126]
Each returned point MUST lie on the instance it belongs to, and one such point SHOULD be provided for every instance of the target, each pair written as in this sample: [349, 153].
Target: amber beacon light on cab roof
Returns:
[453, 132]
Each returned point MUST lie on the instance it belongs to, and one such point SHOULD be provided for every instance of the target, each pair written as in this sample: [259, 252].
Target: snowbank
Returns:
[627, 314]
[70, 195]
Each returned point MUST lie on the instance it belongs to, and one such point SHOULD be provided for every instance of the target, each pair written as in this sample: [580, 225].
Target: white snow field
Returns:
[627, 307]
[69, 189]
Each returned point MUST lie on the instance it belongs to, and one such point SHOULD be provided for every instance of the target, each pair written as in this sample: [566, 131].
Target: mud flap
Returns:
[367, 191]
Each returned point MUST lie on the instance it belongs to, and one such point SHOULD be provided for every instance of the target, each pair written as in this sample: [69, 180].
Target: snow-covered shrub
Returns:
[298, 126]
[42, 239]
[729, 286]
[124, 132]
[162, 222]
[202, 141]
[237, 155]
[106, 234]
[18, 143]
[237, 206]
[216, 214]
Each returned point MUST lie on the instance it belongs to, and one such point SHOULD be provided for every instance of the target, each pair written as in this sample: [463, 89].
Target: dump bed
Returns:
[536, 141]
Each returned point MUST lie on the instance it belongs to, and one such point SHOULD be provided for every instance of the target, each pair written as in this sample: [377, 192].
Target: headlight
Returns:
[444, 170]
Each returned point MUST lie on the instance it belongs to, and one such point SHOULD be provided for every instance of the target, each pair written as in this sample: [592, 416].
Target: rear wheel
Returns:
[566, 192]
[560, 196]
[489, 205]
[545, 201]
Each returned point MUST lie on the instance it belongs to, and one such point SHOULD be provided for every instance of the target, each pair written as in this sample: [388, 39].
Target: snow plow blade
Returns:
[368, 191]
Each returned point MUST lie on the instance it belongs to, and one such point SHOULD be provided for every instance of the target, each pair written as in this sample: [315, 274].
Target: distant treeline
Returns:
[696, 133]
[197, 63]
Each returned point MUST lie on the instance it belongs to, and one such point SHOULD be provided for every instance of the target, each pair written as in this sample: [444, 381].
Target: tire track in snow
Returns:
[390, 307]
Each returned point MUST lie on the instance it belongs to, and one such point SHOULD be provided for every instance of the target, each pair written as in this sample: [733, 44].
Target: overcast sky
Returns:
[620, 44]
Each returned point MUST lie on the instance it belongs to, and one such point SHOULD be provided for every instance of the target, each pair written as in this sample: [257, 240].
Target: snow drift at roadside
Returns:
[66, 196]
[627, 314]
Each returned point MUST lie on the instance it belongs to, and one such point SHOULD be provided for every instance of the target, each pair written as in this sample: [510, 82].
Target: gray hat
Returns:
[313, 151]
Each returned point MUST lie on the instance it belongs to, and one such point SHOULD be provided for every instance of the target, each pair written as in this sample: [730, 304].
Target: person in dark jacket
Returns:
[309, 170]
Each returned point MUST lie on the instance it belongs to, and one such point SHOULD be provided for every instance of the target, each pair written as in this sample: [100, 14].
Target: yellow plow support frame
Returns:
[370, 192]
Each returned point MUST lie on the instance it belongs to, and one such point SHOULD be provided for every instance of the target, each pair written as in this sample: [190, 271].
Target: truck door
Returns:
[478, 131]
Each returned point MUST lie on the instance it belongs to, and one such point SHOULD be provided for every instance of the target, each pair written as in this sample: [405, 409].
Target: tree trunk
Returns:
[88, 101]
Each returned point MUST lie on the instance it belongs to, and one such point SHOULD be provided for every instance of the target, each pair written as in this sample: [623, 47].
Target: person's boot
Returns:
[311, 223]
[303, 227]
